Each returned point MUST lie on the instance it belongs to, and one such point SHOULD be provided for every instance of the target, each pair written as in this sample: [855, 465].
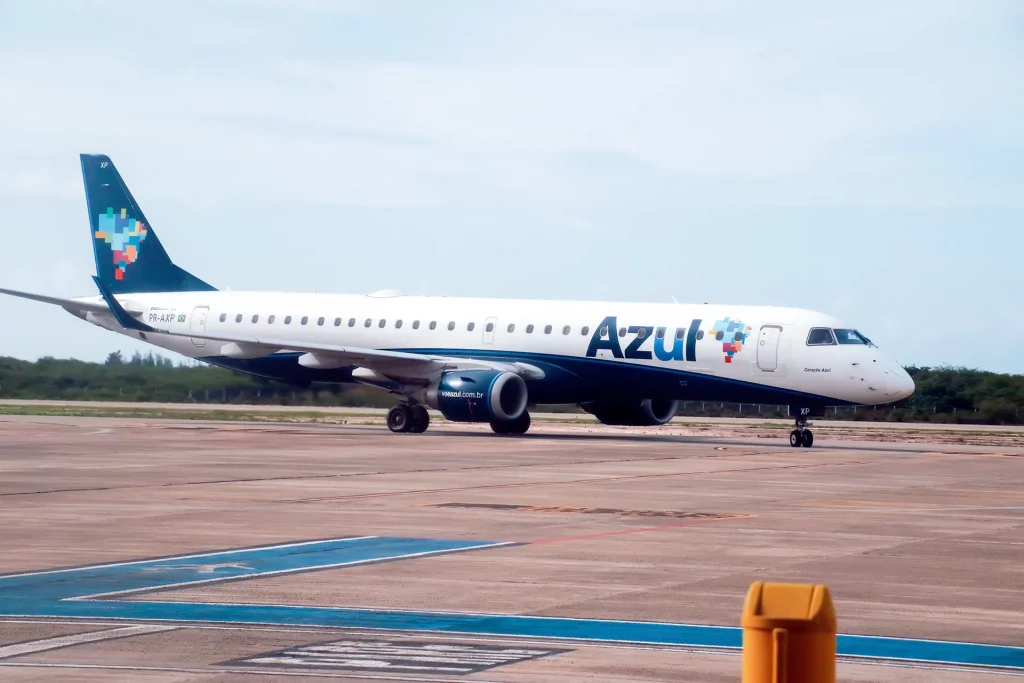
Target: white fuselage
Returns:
[695, 352]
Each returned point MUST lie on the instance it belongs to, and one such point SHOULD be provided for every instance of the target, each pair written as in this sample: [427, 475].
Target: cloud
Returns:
[637, 140]
[816, 110]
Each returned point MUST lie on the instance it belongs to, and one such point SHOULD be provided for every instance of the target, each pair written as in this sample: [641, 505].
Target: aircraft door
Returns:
[768, 348]
[198, 324]
[489, 326]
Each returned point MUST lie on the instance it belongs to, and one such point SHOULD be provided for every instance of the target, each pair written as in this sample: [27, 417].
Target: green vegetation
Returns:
[945, 395]
[950, 395]
[152, 378]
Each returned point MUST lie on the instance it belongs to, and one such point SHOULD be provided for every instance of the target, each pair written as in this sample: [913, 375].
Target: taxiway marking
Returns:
[85, 593]
[33, 646]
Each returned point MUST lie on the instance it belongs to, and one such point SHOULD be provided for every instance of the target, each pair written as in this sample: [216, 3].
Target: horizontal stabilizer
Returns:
[68, 304]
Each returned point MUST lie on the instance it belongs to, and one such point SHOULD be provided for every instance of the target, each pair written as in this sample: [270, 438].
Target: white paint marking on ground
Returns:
[279, 572]
[278, 673]
[33, 646]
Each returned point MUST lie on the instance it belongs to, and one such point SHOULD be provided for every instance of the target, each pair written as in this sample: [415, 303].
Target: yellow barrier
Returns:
[789, 634]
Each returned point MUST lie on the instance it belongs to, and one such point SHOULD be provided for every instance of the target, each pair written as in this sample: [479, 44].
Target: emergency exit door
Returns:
[489, 326]
[198, 324]
[768, 348]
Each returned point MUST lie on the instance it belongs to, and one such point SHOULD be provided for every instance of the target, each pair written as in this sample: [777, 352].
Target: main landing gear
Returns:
[516, 426]
[801, 436]
[408, 418]
[413, 417]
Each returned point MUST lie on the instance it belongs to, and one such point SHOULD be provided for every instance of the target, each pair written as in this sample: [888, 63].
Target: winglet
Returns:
[122, 316]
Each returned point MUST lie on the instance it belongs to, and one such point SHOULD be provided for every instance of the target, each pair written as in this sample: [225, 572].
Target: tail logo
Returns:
[124, 235]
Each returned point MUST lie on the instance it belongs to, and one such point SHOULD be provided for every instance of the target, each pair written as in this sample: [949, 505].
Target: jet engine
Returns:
[479, 396]
[645, 413]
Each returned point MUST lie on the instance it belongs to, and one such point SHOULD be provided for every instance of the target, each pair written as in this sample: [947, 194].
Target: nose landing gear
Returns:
[801, 436]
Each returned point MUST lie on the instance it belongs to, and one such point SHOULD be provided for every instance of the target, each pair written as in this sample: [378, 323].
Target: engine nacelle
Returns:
[645, 413]
[479, 396]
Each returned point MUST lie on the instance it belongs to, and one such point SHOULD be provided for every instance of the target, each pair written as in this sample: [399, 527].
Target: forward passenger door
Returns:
[768, 348]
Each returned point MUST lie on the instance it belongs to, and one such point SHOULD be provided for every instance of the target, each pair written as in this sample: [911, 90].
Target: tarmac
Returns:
[170, 550]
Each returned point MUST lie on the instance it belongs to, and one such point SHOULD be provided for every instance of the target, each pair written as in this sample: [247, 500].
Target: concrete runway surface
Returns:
[162, 550]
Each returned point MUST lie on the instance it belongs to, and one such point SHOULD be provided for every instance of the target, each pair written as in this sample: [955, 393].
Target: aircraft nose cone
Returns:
[898, 384]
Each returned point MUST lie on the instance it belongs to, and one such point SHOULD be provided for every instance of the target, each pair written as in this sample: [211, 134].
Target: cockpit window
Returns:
[852, 337]
[820, 336]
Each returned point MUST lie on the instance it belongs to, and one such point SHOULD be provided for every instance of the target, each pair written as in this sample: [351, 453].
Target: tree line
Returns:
[943, 394]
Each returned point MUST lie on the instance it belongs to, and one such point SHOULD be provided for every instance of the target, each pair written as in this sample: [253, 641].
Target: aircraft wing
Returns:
[397, 364]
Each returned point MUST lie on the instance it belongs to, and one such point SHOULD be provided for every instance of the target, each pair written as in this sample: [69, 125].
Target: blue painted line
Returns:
[87, 592]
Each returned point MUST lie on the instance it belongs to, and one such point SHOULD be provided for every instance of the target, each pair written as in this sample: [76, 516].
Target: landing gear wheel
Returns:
[516, 426]
[519, 425]
[399, 418]
[801, 436]
[420, 420]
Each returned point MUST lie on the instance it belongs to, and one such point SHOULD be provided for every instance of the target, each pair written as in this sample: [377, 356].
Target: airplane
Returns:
[477, 359]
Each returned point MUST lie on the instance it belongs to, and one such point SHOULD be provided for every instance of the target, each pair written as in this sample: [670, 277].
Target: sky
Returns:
[861, 159]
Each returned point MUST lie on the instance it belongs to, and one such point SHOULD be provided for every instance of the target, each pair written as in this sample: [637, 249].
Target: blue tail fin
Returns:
[129, 256]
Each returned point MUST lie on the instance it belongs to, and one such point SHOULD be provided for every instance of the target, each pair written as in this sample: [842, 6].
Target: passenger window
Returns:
[305, 319]
[415, 324]
[565, 330]
[337, 322]
[680, 333]
[820, 336]
[700, 334]
[489, 328]
[547, 329]
[368, 322]
[287, 320]
[271, 319]
[641, 333]
[511, 327]
[585, 331]
[471, 326]
[622, 331]
[223, 317]
[351, 322]
[529, 329]
[382, 322]
[433, 324]
[720, 335]
[661, 333]
[398, 324]
[256, 318]
[604, 331]
[451, 326]
[238, 318]
[320, 322]
[738, 336]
